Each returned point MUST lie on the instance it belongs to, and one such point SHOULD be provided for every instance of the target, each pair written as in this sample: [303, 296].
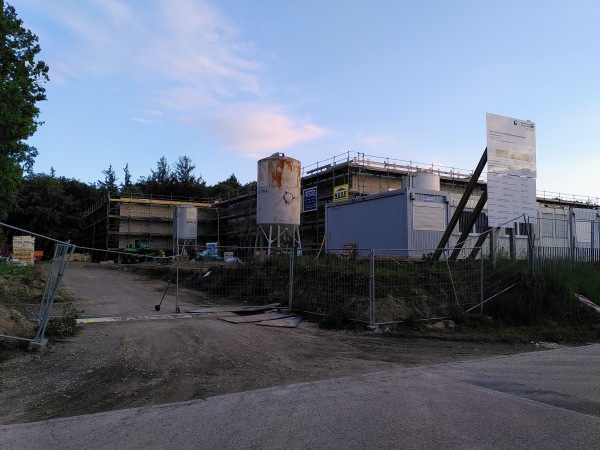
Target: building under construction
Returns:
[117, 222]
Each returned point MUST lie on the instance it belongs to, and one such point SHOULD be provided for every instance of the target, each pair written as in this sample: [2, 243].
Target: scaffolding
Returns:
[117, 222]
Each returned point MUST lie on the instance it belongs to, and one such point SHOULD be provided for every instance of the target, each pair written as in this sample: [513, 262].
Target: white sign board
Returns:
[511, 170]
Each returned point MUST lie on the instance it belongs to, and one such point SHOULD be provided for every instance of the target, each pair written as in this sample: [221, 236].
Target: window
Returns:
[583, 231]
[519, 229]
[561, 224]
[481, 223]
[429, 216]
[547, 225]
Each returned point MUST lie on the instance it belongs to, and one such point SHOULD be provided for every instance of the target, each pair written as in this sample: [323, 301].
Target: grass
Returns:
[538, 307]
[21, 290]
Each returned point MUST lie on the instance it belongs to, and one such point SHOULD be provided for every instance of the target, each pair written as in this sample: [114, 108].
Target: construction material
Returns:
[136, 318]
[286, 322]
[236, 309]
[588, 302]
[23, 249]
[255, 317]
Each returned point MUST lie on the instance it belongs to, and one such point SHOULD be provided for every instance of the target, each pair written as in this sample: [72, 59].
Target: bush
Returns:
[539, 299]
[66, 325]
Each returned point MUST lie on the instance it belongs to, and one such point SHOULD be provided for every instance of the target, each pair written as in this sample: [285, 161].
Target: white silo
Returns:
[185, 222]
[278, 202]
[426, 180]
[185, 229]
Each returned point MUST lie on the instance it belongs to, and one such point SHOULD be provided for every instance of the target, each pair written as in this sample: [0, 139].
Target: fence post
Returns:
[593, 243]
[531, 246]
[512, 247]
[291, 277]
[572, 235]
[372, 324]
[481, 282]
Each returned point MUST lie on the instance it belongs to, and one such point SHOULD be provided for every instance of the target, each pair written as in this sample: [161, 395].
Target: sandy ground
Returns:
[110, 366]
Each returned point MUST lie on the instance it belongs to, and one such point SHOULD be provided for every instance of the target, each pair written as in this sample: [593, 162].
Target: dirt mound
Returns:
[13, 323]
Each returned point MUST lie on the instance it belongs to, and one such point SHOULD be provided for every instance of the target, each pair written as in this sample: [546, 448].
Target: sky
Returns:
[229, 82]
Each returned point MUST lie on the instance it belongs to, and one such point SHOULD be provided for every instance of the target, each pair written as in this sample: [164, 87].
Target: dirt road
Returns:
[111, 366]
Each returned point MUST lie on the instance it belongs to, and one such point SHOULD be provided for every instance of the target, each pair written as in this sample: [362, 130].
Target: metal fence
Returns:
[371, 286]
[31, 270]
[375, 289]
[568, 243]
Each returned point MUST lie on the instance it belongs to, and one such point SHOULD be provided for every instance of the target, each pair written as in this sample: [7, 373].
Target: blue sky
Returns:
[231, 81]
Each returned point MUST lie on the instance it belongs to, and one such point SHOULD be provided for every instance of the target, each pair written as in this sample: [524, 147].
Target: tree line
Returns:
[54, 205]
[177, 181]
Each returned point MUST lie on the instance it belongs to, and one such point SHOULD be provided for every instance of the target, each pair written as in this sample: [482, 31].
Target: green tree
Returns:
[160, 181]
[110, 180]
[127, 187]
[22, 79]
[228, 188]
[186, 184]
[53, 206]
[127, 177]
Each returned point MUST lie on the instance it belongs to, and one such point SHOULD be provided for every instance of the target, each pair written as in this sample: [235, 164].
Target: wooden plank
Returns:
[347, 252]
[287, 322]
[235, 308]
[255, 317]
[461, 206]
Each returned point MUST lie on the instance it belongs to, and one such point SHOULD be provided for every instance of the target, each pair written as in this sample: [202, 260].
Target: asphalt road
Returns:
[541, 400]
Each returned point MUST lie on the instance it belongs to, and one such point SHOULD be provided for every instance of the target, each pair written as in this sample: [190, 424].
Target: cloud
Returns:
[186, 44]
[182, 57]
[380, 141]
[142, 120]
[257, 130]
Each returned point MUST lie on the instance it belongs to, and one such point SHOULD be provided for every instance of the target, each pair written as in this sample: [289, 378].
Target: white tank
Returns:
[426, 180]
[278, 191]
[185, 222]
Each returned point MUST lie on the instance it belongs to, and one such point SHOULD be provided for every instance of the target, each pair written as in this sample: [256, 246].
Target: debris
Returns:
[255, 317]
[287, 322]
[126, 319]
[236, 309]
[588, 302]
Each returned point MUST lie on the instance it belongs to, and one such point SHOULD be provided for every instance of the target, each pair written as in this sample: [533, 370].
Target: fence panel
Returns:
[411, 289]
[110, 283]
[334, 283]
[31, 270]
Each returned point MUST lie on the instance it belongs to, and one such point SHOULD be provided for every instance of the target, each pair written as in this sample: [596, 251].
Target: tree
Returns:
[110, 180]
[161, 180]
[127, 179]
[22, 80]
[127, 187]
[53, 206]
[186, 184]
[184, 171]
[162, 176]
[228, 188]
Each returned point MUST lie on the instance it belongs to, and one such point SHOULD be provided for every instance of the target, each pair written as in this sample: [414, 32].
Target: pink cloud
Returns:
[259, 129]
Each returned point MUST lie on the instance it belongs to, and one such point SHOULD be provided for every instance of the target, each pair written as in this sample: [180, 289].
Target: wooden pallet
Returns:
[348, 252]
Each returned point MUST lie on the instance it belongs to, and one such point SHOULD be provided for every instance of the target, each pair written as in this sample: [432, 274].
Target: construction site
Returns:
[119, 221]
